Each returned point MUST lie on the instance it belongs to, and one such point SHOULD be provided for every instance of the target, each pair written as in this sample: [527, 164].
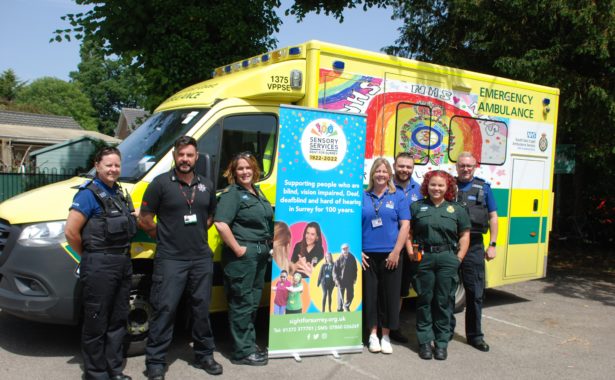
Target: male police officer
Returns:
[476, 195]
[404, 167]
[185, 203]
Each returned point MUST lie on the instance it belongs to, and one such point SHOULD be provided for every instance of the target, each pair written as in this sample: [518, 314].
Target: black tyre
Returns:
[139, 316]
[460, 298]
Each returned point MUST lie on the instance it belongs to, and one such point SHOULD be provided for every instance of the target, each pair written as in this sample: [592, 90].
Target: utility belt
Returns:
[266, 242]
[437, 248]
[122, 251]
[476, 237]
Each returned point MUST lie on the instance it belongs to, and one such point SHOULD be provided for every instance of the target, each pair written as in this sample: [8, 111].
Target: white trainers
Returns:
[374, 344]
[385, 344]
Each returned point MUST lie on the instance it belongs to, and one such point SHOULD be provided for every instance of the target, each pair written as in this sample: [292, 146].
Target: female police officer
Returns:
[441, 228]
[244, 219]
[99, 227]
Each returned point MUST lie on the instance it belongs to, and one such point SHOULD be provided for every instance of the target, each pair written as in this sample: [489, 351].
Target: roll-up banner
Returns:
[316, 278]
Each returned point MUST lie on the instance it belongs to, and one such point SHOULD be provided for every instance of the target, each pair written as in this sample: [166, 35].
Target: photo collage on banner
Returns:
[316, 277]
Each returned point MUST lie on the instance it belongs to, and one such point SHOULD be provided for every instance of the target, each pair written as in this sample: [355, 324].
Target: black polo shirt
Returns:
[169, 198]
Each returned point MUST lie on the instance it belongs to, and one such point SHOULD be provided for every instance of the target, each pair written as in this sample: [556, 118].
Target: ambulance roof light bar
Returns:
[276, 55]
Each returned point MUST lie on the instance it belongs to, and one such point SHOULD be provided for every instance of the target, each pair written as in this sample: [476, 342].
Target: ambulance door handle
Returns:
[535, 205]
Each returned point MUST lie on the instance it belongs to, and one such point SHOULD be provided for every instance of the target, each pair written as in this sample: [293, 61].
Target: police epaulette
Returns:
[85, 184]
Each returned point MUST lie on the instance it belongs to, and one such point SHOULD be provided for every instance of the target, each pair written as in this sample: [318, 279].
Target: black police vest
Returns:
[112, 230]
[477, 208]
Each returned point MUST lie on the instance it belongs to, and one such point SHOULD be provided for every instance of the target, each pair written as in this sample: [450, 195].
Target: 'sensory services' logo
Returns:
[323, 144]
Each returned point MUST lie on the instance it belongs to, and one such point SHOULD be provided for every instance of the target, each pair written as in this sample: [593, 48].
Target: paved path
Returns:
[561, 327]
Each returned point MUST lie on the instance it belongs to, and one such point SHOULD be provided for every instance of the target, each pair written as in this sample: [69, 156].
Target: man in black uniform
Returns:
[404, 167]
[184, 203]
[475, 194]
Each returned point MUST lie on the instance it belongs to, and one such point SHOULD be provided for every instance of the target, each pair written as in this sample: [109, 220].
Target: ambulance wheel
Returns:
[460, 298]
[138, 316]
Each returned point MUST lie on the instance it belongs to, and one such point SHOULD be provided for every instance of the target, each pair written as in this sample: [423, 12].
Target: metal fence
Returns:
[12, 184]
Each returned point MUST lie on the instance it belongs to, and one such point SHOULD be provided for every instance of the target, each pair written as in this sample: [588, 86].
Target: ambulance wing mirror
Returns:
[205, 166]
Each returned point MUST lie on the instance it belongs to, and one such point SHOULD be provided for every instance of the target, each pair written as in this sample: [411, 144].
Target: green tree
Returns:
[300, 8]
[560, 43]
[109, 83]
[176, 43]
[565, 44]
[9, 86]
[57, 97]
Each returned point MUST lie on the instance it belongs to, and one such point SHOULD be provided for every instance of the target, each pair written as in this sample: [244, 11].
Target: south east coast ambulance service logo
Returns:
[323, 144]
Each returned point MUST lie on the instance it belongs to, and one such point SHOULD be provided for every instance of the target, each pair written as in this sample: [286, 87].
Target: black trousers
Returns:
[105, 280]
[327, 293]
[381, 293]
[472, 274]
[169, 280]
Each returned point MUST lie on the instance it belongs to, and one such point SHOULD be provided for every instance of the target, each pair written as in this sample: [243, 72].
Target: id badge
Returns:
[190, 219]
[377, 222]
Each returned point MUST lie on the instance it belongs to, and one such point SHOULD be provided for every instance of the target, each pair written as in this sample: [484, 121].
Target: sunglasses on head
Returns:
[245, 154]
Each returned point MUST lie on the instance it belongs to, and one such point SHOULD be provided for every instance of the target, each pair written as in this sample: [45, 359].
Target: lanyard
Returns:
[191, 200]
[378, 204]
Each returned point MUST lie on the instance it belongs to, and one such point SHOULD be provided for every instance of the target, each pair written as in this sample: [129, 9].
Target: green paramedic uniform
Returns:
[250, 218]
[437, 231]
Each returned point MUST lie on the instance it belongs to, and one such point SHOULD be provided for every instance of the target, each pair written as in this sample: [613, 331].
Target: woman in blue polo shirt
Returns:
[385, 222]
[99, 227]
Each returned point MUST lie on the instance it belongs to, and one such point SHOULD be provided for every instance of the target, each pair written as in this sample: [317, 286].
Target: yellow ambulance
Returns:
[432, 111]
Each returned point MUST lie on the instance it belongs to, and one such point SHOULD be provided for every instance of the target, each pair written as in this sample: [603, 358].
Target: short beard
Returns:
[179, 169]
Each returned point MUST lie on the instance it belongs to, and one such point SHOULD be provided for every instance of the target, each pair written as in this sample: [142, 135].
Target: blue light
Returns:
[294, 50]
[227, 69]
[245, 63]
[338, 65]
[265, 58]
[546, 101]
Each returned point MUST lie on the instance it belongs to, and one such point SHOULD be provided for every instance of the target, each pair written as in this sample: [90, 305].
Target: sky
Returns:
[26, 26]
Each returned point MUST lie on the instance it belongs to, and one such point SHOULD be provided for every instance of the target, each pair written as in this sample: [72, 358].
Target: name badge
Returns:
[377, 222]
[190, 219]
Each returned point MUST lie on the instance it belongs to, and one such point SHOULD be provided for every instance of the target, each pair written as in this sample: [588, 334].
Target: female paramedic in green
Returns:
[99, 228]
[244, 219]
[441, 228]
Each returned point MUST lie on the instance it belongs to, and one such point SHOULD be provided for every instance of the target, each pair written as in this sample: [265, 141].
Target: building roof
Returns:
[132, 114]
[46, 135]
[129, 120]
[37, 120]
[69, 142]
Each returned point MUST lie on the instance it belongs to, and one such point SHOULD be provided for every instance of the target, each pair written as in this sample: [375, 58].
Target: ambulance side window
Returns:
[485, 139]
[418, 132]
[210, 143]
[254, 133]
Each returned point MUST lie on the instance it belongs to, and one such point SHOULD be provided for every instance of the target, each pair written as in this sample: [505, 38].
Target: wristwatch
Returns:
[492, 244]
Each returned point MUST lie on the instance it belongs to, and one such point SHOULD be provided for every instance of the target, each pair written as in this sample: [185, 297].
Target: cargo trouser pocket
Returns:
[234, 280]
[154, 296]
[92, 310]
